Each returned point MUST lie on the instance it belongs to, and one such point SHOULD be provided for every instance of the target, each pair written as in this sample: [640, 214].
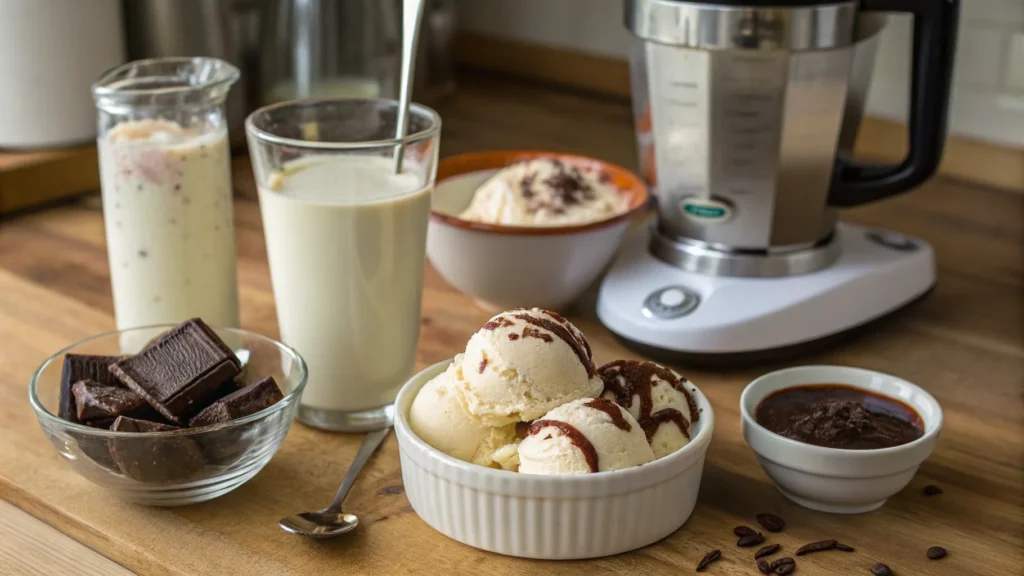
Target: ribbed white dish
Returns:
[550, 517]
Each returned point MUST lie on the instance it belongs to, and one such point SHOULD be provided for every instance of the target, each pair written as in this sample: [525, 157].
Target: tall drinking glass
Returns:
[165, 170]
[346, 242]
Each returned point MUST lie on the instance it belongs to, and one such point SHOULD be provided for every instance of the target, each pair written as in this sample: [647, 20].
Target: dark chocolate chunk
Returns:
[248, 400]
[771, 522]
[936, 552]
[154, 459]
[708, 558]
[103, 403]
[180, 373]
[82, 367]
[932, 490]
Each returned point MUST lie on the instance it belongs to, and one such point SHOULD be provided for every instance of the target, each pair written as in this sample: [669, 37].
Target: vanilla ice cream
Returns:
[658, 398]
[584, 436]
[439, 418]
[546, 192]
[523, 363]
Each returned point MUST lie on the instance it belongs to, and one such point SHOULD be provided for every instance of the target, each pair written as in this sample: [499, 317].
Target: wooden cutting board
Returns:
[963, 343]
[30, 179]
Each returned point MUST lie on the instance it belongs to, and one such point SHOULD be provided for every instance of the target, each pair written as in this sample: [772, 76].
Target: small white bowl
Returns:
[549, 517]
[506, 267]
[831, 479]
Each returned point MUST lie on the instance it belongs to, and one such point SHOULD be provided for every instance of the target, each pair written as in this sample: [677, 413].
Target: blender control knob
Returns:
[670, 302]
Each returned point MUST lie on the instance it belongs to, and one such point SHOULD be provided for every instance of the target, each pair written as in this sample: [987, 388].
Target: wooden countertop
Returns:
[963, 343]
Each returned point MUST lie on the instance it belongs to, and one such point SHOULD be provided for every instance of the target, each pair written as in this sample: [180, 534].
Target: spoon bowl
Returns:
[320, 524]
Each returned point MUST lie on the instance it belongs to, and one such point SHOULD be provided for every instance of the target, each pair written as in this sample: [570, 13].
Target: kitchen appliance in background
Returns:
[223, 29]
[350, 48]
[746, 113]
[50, 54]
[297, 48]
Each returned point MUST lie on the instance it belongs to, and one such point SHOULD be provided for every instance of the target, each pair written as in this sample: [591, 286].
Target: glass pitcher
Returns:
[165, 171]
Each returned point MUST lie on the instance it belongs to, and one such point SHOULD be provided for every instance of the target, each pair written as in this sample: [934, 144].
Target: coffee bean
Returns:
[844, 547]
[932, 490]
[774, 566]
[819, 546]
[750, 540]
[881, 570]
[708, 559]
[785, 569]
[936, 552]
[767, 551]
[743, 530]
[762, 565]
[771, 522]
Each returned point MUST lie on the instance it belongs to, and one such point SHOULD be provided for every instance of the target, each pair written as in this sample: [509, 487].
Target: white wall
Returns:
[988, 94]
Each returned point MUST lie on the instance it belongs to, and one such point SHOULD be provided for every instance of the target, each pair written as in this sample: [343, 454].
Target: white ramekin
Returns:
[549, 517]
[830, 479]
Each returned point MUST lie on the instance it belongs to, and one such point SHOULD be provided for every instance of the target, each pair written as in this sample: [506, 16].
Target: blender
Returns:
[746, 115]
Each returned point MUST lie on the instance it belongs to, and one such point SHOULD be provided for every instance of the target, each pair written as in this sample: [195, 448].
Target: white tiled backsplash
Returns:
[988, 93]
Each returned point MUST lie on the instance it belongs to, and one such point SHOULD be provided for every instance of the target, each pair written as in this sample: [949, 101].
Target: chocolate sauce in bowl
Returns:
[839, 416]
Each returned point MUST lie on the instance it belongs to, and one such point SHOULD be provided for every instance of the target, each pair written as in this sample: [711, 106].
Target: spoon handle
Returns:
[412, 14]
[366, 449]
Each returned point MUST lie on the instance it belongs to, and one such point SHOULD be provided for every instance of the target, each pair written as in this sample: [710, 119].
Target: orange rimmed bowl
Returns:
[510, 266]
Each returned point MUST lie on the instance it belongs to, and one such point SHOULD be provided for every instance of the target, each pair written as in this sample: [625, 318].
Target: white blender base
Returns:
[746, 315]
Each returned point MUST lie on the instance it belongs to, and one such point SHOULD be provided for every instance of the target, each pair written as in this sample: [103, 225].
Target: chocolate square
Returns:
[157, 459]
[181, 372]
[82, 367]
[243, 402]
[99, 402]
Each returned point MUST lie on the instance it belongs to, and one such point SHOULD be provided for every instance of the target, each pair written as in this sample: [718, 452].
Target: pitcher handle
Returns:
[935, 23]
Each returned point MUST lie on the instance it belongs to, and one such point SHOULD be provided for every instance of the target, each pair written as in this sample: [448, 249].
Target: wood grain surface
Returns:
[963, 343]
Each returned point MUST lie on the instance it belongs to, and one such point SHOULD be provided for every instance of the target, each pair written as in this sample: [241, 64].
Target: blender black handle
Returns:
[935, 24]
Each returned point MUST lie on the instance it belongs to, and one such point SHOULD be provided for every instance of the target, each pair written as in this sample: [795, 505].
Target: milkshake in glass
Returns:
[165, 169]
[346, 240]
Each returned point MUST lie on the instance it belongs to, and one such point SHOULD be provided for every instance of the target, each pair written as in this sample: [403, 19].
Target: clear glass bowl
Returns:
[181, 466]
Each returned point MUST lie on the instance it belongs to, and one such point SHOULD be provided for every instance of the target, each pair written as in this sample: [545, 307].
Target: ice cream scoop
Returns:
[584, 436]
[546, 192]
[523, 363]
[657, 397]
[439, 418]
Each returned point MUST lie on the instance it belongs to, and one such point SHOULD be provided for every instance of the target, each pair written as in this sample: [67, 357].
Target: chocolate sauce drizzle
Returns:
[614, 412]
[578, 345]
[531, 332]
[652, 422]
[574, 435]
[497, 322]
[636, 380]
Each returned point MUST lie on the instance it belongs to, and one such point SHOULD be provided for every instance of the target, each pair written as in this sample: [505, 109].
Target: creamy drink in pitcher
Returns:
[168, 214]
[346, 241]
[165, 173]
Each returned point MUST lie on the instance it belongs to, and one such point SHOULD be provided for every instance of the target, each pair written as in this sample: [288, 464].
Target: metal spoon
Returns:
[331, 521]
[412, 14]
